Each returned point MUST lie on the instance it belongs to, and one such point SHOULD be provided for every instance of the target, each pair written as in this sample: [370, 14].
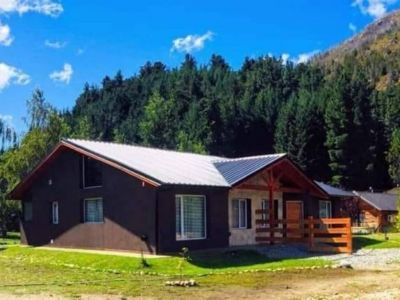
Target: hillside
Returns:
[376, 49]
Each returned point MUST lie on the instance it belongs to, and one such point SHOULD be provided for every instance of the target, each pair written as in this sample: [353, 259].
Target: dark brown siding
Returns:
[128, 208]
[216, 213]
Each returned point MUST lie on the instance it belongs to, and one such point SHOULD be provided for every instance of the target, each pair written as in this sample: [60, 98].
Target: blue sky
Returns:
[57, 46]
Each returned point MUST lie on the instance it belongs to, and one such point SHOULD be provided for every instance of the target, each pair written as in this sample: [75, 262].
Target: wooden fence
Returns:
[321, 235]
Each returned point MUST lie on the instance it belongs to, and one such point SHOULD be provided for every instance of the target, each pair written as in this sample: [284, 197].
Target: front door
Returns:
[294, 215]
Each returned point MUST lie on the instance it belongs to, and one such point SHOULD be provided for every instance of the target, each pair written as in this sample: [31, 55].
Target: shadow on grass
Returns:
[360, 242]
[221, 259]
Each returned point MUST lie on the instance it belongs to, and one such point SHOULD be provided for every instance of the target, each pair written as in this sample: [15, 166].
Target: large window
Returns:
[54, 212]
[92, 176]
[27, 211]
[239, 213]
[93, 209]
[325, 209]
[190, 217]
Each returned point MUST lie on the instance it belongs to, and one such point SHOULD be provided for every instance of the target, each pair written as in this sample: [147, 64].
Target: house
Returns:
[375, 210]
[88, 194]
[337, 199]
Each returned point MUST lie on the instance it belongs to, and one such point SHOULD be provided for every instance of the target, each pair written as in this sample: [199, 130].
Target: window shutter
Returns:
[248, 204]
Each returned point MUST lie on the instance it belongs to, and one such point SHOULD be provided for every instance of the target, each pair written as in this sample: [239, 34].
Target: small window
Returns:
[190, 217]
[391, 218]
[265, 215]
[93, 210]
[239, 213]
[361, 217]
[54, 212]
[325, 209]
[92, 175]
[27, 211]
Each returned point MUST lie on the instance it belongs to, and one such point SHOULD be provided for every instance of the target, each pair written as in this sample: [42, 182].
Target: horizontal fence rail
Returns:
[321, 235]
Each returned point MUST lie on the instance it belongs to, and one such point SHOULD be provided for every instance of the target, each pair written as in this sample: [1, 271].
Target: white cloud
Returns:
[11, 75]
[5, 35]
[7, 119]
[373, 8]
[305, 57]
[285, 58]
[191, 42]
[55, 44]
[353, 28]
[46, 7]
[64, 75]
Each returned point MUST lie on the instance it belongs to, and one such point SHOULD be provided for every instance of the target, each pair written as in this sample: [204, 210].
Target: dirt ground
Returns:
[330, 284]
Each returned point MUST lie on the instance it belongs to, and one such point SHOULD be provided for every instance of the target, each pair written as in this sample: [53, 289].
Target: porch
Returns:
[281, 205]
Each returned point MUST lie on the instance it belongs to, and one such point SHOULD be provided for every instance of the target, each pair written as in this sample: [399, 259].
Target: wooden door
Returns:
[294, 216]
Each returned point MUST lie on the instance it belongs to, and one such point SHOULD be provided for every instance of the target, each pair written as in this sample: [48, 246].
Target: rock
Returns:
[345, 265]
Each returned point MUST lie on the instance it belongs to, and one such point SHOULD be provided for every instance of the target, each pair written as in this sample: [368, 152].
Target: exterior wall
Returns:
[217, 230]
[127, 208]
[247, 236]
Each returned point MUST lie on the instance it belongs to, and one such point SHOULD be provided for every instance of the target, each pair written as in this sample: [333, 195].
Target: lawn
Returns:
[12, 238]
[27, 270]
[377, 241]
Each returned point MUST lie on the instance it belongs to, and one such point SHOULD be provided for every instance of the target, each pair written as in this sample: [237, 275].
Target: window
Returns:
[361, 217]
[190, 217]
[54, 212]
[325, 209]
[239, 213]
[92, 176]
[93, 210]
[391, 218]
[27, 211]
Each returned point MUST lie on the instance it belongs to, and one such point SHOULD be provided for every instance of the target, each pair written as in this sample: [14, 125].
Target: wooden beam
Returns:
[291, 190]
[248, 186]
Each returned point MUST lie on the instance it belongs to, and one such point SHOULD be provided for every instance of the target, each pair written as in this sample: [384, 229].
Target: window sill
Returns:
[196, 239]
[93, 222]
[244, 228]
[92, 187]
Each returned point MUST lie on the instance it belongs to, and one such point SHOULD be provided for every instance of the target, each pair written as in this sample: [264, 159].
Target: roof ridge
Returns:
[143, 146]
[250, 157]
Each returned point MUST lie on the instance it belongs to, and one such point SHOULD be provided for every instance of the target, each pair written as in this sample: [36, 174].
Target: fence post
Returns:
[349, 236]
[311, 232]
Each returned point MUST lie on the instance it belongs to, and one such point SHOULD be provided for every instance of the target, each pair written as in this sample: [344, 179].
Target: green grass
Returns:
[12, 238]
[26, 270]
[377, 241]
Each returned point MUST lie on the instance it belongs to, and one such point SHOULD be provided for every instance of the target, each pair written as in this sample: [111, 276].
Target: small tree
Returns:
[397, 223]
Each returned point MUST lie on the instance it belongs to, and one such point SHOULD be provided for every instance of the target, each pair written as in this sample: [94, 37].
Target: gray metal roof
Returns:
[333, 191]
[235, 170]
[173, 167]
[381, 201]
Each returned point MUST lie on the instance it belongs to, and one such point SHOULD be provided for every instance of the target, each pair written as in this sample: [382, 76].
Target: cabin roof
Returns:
[381, 201]
[334, 191]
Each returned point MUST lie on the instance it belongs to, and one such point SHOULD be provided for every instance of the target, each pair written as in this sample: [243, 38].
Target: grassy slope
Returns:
[377, 241]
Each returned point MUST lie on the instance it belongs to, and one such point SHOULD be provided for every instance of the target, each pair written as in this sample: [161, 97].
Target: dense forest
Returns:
[337, 117]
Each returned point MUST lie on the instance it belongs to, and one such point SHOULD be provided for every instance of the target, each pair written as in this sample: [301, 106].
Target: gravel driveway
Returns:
[366, 259]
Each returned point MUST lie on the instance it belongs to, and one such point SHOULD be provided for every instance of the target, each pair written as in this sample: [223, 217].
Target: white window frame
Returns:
[84, 210]
[239, 214]
[329, 210]
[55, 213]
[83, 175]
[183, 238]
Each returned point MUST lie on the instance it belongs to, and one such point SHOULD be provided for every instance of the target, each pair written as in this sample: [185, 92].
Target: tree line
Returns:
[332, 121]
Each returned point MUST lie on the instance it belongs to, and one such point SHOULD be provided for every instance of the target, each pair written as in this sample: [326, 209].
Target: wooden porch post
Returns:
[271, 214]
